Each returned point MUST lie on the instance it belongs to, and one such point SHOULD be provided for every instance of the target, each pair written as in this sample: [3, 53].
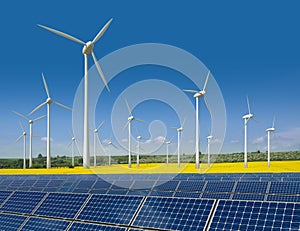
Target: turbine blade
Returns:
[99, 139]
[100, 71]
[207, 106]
[46, 86]
[206, 80]
[19, 114]
[257, 121]
[20, 137]
[62, 34]
[76, 144]
[100, 125]
[248, 105]
[171, 139]
[70, 143]
[41, 117]
[129, 109]
[63, 106]
[101, 32]
[38, 108]
[21, 125]
[138, 120]
[114, 146]
[273, 124]
[190, 91]
[183, 123]
[126, 125]
[70, 133]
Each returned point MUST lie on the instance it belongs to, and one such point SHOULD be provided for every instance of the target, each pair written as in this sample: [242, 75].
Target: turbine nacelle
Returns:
[209, 137]
[24, 134]
[248, 116]
[88, 48]
[96, 131]
[270, 130]
[73, 139]
[139, 137]
[130, 118]
[168, 142]
[199, 94]
[30, 121]
[49, 100]
[180, 129]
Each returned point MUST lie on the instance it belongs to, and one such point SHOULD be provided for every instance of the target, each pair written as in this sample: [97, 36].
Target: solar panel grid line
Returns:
[83, 205]
[233, 190]
[211, 215]
[137, 211]
[7, 198]
[23, 224]
[267, 191]
[39, 204]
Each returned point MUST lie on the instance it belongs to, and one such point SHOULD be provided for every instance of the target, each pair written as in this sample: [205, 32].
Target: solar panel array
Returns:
[159, 202]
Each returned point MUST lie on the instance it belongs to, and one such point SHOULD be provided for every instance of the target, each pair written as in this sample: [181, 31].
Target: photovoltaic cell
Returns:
[61, 205]
[219, 186]
[216, 195]
[22, 202]
[85, 184]
[284, 188]
[191, 186]
[101, 184]
[291, 198]
[44, 224]
[110, 209]
[166, 186]
[248, 196]
[173, 213]
[251, 187]
[187, 194]
[247, 215]
[76, 226]
[11, 222]
[4, 195]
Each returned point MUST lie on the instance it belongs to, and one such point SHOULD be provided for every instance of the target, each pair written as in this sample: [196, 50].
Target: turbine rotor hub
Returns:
[88, 48]
[49, 101]
[73, 138]
[199, 94]
[130, 118]
[30, 121]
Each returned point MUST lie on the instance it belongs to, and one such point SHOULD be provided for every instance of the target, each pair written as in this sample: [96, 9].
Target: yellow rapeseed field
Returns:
[253, 167]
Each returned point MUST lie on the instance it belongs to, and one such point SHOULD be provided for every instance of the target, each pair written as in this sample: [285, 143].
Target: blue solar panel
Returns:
[117, 192]
[137, 193]
[98, 191]
[191, 186]
[35, 223]
[218, 186]
[41, 183]
[187, 194]
[81, 190]
[100, 184]
[85, 184]
[216, 195]
[110, 209]
[4, 195]
[11, 222]
[251, 187]
[161, 193]
[93, 227]
[173, 213]
[246, 215]
[55, 183]
[166, 186]
[284, 188]
[248, 196]
[29, 183]
[291, 198]
[22, 202]
[61, 205]
[123, 184]
[143, 184]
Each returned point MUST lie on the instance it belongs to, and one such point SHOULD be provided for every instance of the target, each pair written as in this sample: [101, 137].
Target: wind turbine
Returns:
[168, 142]
[209, 138]
[139, 138]
[73, 141]
[197, 95]
[246, 118]
[24, 134]
[269, 130]
[30, 133]
[87, 49]
[179, 131]
[128, 124]
[110, 143]
[95, 131]
[48, 101]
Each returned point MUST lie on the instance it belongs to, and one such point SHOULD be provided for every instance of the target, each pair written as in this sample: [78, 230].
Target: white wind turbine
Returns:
[73, 142]
[269, 130]
[48, 101]
[138, 138]
[179, 131]
[110, 144]
[88, 48]
[246, 118]
[128, 124]
[30, 133]
[197, 95]
[24, 134]
[167, 142]
[95, 131]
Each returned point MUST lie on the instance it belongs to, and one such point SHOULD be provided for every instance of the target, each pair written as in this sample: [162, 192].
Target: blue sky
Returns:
[251, 47]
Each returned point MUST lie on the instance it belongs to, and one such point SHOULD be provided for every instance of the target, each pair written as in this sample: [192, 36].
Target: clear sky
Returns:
[251, 48]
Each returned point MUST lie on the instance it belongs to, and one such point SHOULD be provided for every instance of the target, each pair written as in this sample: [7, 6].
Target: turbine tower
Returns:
[246, 118]
[24, 134]
[30, 133]
[168, 142]
[95, 131]
[48, 101]
[128, 124]
[269, 130]
[88, 48]
[179, 131]
[197, 95]
[209, 138]
[73, 141]
[110, 143]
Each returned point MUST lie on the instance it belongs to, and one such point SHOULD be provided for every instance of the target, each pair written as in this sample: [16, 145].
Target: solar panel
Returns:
[166, 186]
[101, 184]
[110, 209]
[98, 191]
[295, 198]
[219, 186]
[35, 223]
[23, 202]
[216, 195]
[247, 215]
[123, 184]
[143, 184]
[41, 183]
[11, 222]
[284, 188]
[187, 194]
[76, 226]
[173, 213]
[248, 196]
[85, 184]
[191, 186]
[251, 187]
[55, 183]
[61, 205]
[117, 192]
[161, 193]
[4, 195]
